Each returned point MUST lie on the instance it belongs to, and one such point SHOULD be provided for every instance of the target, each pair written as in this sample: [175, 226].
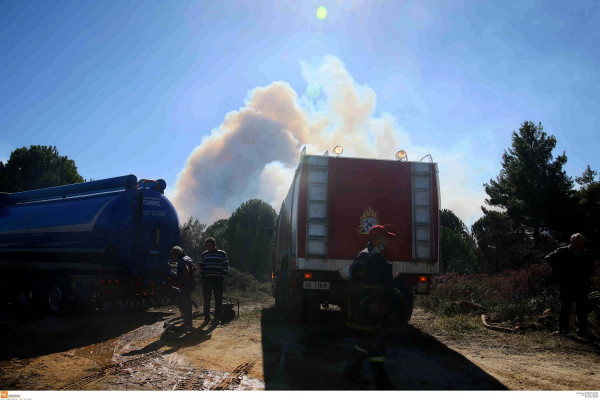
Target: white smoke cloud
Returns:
[255, 151]
[272, 188]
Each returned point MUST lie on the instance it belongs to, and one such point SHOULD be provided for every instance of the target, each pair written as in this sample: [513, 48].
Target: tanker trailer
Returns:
[104, 243]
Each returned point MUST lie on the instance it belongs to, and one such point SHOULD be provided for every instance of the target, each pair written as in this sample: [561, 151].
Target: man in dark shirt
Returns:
[214, 267]
[573, 268]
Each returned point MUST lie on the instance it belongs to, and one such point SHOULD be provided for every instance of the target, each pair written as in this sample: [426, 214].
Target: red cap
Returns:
[379, 230]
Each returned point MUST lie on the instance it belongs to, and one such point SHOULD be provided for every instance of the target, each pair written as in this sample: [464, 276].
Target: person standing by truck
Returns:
[375, 305]
[185, 283]
[214, 268]
[573, 268]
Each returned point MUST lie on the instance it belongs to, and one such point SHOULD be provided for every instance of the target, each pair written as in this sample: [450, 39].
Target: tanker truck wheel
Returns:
[58, 300]
[25, 300]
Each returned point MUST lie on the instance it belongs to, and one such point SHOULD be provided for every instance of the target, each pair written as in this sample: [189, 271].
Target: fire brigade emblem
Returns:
[367, 221]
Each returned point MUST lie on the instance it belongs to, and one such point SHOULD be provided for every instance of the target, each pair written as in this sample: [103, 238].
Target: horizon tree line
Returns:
[532, 207]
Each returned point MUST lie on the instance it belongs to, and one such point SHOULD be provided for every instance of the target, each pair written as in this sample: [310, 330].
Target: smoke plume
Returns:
[254, 152]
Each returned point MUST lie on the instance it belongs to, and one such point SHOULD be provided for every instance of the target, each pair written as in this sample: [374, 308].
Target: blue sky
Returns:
[151, 87]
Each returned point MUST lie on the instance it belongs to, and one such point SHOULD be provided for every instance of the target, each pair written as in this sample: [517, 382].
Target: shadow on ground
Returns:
[174, 339]
[25, 336]
[312, 357]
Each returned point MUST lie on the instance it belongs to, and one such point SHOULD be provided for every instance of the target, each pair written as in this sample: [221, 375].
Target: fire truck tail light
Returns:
[308, 275]
[422, 284]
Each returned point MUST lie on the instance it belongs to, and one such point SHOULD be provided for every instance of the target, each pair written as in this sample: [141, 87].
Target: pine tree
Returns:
[532, 186]
[249, 244]
[36, 168]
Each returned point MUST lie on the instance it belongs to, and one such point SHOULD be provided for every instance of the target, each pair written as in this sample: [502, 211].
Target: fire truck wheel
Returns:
[280, 294]
[290, 300]
[406, 308]
[279, 300]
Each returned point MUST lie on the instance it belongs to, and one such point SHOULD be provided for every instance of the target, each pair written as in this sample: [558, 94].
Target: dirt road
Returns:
[257, 352]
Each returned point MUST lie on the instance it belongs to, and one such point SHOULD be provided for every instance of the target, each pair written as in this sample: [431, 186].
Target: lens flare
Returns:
[321, 12]
[313, 91]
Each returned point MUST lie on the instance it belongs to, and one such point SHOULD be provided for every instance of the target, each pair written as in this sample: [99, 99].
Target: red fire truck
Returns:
[324, 222]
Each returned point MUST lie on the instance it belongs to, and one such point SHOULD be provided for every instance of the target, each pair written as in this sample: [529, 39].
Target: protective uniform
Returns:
[377, 292]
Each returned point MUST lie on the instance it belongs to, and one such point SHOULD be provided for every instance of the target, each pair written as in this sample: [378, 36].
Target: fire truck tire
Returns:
[277, 298]
[278, 295]
[290, 301]
[293, 310]
[281, 293]
[406, 306]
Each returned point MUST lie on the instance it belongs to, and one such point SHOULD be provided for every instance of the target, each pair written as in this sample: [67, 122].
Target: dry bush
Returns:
[239, 285]
[245, 286]
[517, 296]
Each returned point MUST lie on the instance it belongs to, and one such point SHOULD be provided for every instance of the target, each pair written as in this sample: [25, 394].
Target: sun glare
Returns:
[321, 12]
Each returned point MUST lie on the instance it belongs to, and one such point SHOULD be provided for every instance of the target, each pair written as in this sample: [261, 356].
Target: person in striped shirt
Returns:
[213, 268]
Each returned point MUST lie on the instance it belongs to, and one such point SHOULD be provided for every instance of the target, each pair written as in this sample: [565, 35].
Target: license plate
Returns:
[315, 285]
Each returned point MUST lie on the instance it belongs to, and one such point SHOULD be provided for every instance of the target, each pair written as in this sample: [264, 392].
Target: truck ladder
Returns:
[422, 212]
[316, 232]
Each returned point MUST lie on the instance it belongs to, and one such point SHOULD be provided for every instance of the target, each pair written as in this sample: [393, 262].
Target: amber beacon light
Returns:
[401, 156]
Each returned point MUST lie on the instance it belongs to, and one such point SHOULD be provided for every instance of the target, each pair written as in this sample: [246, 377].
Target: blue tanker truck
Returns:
[104, 243]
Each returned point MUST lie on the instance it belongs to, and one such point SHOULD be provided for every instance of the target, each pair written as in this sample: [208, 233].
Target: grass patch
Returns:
[456, 326]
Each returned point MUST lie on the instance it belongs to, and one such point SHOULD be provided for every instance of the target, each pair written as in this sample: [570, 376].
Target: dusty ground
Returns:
[257, 352]
[533, 360]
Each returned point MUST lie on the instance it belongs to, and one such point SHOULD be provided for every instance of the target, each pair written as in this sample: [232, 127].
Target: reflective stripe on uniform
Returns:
[377, 359]
[358, 348]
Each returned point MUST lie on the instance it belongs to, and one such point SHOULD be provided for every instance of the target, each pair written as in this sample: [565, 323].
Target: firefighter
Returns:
[573, 269]
[375, 305]
[185, 283]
